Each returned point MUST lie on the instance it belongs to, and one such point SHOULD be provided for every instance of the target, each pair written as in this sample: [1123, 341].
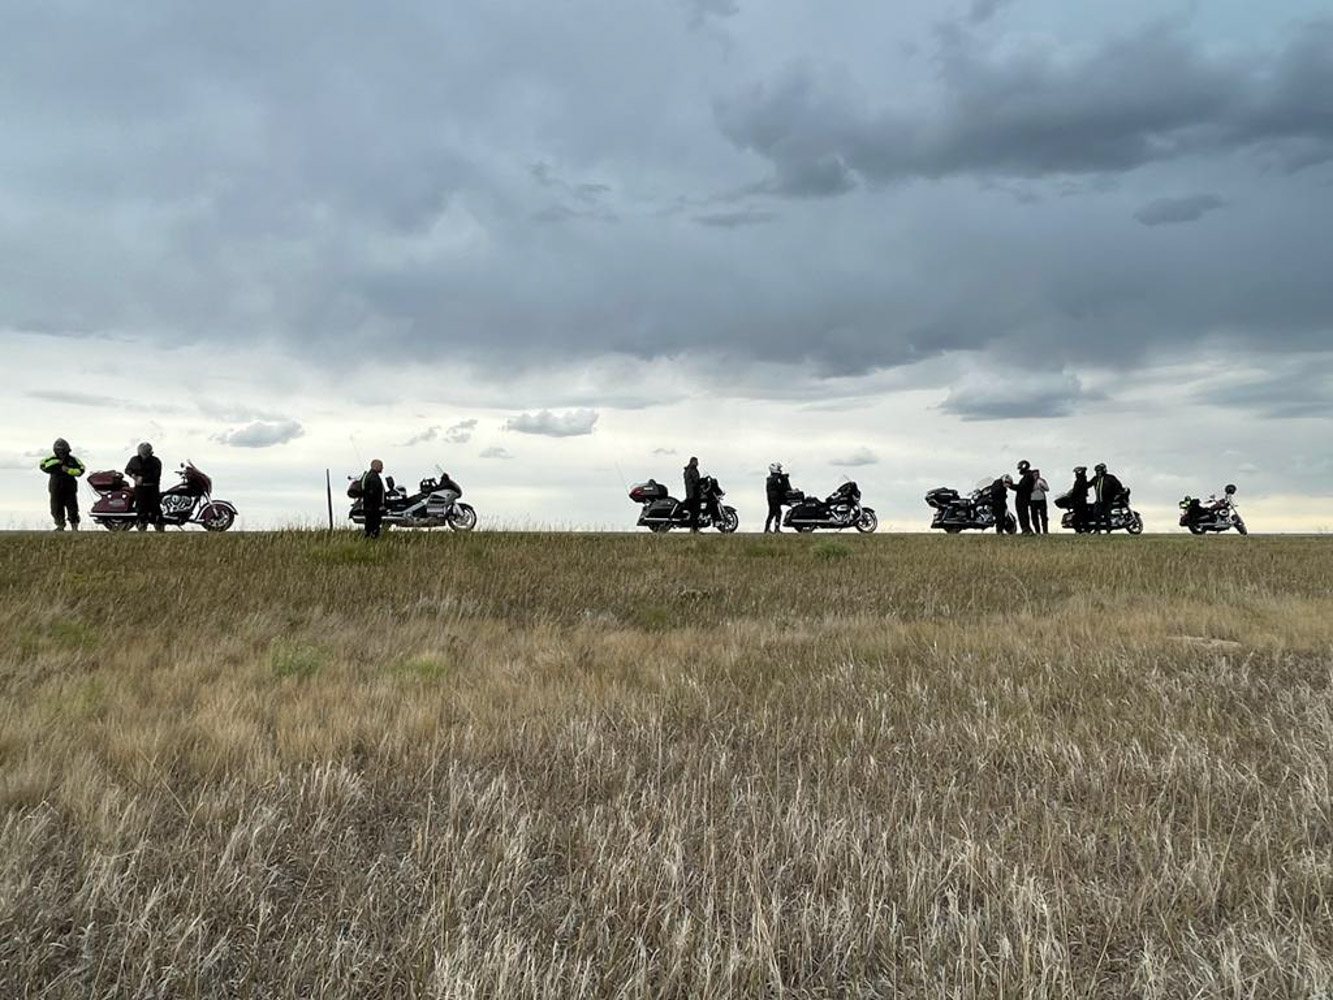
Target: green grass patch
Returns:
[830, 549]
[423, 666]
[292, 659]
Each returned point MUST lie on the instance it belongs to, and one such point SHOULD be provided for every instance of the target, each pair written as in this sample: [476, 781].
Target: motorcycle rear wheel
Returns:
[462, 517]
[659, 529]
[116, 523]
[1196, 529]
[952, 530]
[804, 529]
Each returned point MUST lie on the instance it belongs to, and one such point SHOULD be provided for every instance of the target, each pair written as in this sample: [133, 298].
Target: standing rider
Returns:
[1106, 489]
[692, 497]
[999, 501]
[145, 469]
[63, 471]
[372, 498]
[1078, 498]
[1041, 522]
[1027, 479]
[778, 485]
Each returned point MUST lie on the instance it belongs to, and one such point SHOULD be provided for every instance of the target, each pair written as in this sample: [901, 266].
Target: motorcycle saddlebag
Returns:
[107, 480]
[115, 502]
[354, 489]
[941, 496]
[662, 508]
[651, 490]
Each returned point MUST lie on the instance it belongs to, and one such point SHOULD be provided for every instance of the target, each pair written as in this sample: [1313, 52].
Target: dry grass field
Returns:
[515, 765]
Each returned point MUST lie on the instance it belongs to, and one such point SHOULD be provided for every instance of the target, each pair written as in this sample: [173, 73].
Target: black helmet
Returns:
[60, 447]
[1231, 488]
[1024, 465]
[1080, 470]
[1100, 467]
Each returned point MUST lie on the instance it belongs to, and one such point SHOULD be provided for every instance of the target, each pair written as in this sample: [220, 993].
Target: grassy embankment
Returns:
[536, 766]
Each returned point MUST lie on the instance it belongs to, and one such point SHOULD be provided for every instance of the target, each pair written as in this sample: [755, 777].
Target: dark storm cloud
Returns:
[1016, 396]
[262, 435]
[1171, 211]
[983, 10]
[1148, 97]
[574, 423]
[1304, 390]
[428, 186]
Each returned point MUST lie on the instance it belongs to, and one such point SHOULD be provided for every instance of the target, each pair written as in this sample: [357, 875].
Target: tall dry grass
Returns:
[608, 766]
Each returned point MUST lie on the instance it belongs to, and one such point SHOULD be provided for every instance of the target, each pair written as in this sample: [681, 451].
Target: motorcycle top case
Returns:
[651, 490]
[354, 489]
[107, 480]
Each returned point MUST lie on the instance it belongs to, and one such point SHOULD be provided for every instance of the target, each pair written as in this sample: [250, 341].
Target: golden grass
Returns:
[297, 765]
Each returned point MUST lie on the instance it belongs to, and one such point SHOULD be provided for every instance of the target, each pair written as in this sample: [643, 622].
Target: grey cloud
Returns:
[736, 219]
[1171, 211]
[422, 437]
[1000, 396]
[1148, 97]
[262, 434]
[701, 10]
[234, 413]
[1295, 390]
[664, 451]
[495, 451]
[461, 432]
[983, 10]
[861, 456]
[73, 398]
[572, 423]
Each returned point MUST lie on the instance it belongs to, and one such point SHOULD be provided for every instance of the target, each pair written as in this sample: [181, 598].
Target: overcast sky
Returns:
[558, 247]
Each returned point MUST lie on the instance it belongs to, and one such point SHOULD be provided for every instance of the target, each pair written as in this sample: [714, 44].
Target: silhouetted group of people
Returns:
[1030, 499]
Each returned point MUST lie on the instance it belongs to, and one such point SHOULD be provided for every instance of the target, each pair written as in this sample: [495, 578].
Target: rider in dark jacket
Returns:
[145, 469]
[372, 498]
[777, 486]
[1027, 480]
[692, 494]
[63, 471]
[1078, 497]
[999, 501]
[1106, 491]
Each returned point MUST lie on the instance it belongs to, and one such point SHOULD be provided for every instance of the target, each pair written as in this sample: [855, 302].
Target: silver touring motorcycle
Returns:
[431, 506]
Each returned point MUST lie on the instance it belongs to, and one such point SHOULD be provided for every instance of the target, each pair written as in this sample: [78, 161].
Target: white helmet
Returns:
[775, 468]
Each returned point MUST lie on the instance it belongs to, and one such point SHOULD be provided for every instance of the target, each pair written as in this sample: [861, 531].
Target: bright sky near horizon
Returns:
[556, 248]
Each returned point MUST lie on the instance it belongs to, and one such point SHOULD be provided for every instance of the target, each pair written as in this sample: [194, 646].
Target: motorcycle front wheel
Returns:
[1195, 529]
[729, 521]
[659, 529]
[1240, 527]
[462, 517]
[1135, 526]
[216, 518]
[867, 522]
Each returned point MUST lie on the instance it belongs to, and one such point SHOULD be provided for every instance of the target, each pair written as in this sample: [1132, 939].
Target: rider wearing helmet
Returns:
[145, 469]
[777, 486]
[1078, 497]
[1107, 490]
[63, 470]
[1027, 479]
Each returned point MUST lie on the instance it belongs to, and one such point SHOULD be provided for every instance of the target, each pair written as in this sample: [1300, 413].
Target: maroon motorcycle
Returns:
[188, 502]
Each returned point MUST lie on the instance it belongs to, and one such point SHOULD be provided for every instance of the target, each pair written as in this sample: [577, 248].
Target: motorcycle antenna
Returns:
[623, 484]
[351, 438]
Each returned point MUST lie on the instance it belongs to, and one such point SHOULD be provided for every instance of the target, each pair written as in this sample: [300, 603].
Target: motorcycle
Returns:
[1216, 514]
[955, 512]
[1122, 516]
[839, 510]
[660, 512]
[188, 502]
[431, 506]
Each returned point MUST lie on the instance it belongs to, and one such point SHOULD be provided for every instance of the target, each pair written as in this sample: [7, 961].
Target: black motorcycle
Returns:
[839, 510]
[955, 512]
[1216, 514]
[432, 506]
[660, 512]
[1122, 516]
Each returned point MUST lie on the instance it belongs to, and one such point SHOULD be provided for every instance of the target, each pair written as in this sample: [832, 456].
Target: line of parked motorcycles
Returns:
[191, 501]
[659, 512]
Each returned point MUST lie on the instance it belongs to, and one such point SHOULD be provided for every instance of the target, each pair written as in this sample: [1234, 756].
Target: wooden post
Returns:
[328, 490]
